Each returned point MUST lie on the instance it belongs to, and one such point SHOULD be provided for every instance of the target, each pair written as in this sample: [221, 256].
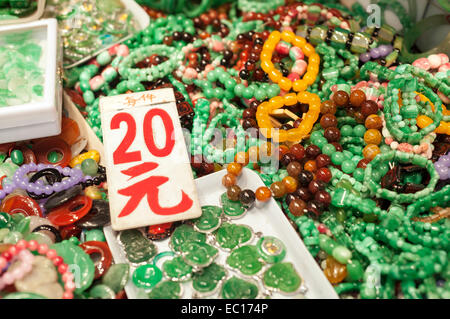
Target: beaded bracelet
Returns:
[42, 249]
[26, 263]
[295, 134]
[275, 75]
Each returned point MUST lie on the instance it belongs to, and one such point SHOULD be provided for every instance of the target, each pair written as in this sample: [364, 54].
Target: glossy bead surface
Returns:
[290, 184]
[294, 168]
[234, 168]
[229, 180]
[334, 271]
[297, 207]
[373, 121]
[341, 98]
[357, 97]
[233, 192]
[372, 136]
[278, 189]
[369, 107]
[328, 120]
[263, 194]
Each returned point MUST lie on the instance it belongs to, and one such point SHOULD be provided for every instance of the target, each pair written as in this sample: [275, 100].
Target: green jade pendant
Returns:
[176, 269]
[185, 233]
[166, 290]
[147, 276]
[271, 249]
[230, 236]
[246, 260]
[233, 209]
[198, 255]
[138, 248]
[237, 288]
[282, 277]
[206, 281]
[210, 219]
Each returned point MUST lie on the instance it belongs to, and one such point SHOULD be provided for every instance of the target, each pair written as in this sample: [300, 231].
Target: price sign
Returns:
[150, 179]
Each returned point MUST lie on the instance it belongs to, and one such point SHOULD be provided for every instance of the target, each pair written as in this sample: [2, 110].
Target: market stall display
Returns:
[319, 143]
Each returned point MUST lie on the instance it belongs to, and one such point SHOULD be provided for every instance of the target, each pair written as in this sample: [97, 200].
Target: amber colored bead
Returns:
[373, 121]
[70, 131]
[315, 186]
[310, 166]
[370, 151]
[322, 160]
[363, 163]
[324, 197]
[241, 158]
[359, 117]
[312, 151]
[372, 136]
[328, 120]
[290, 197]
[357, 97]
[297, 207]
[234, 168]
[282, 150]
[278, 189]
[334, 271]
[290, 184]
[298, 151]
[369, 107]
[332, 134]
[328, 107]
[294, 168]
[341, 98]
[229, 180]
[323, 174]
[305, 177]
[263, 193]
[233, 192]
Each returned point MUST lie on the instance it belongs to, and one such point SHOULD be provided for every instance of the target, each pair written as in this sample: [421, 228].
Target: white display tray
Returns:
[268, 219]
[38, 118]
[139, 16]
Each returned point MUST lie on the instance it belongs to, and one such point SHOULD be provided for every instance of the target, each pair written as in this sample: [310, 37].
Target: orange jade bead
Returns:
[335, 271]
[372, 136]
[234, 168]
[310, 166]
[290, 184]
[282, 150]
[263, 194]
[373, 121]
[370, 151]
[285, 84]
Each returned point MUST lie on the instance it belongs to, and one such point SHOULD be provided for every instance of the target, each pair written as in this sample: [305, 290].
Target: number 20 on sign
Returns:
[149, 175]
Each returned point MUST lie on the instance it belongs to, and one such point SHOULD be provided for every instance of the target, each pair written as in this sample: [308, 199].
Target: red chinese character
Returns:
[150, 187]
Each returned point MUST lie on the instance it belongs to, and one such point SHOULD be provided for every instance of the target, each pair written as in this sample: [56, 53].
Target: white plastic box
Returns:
[38, 118]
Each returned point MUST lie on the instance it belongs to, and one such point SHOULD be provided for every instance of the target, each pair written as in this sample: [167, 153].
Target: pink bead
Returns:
[422, 63]
[282, 48]
[67, 276]
[57, 261]
[435, 61]
[8, 278]
[70, 286]
[113, 50]
[13, 250]
[322, 228]
[96, 82]
[217, 46]
[444, 67]
[444, 58]
[190, 73]
[62, 268]
[288, 28]
[293, 76]
[67, 295]
[3, 263]
[296, 53]
[21, 244]
[42, 249]
[388, 140]
[122, 50]
[344, 25]
[33, 245]
[329, 15]
[299, 67]
[51, 253]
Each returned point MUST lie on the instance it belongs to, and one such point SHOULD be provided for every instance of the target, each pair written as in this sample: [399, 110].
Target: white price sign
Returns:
[149, 174]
